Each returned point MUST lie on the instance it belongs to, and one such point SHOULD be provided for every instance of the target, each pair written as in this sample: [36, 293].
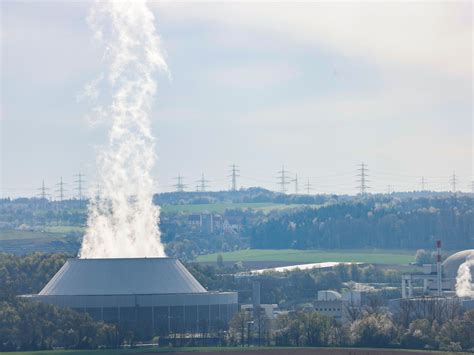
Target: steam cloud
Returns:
[464, 284]
[123, 221]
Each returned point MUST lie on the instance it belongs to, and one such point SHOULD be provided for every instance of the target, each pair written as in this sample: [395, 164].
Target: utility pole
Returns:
[60, 189]
[43, 194]
[180, 186]
[202, 184]
[79, 185]
[423, 183]
[363, 178]
[295, 180]
[453, 182]
[234, 174]
[308, 187]
[283, 179]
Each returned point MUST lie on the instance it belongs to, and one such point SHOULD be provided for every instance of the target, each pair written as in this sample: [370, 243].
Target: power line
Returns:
[363, 178]
[453, 182]
[423, 183]
[42, 194]
[60, 189]
[180, 186]
[283, 179]
[202, 184]
[79, 185]
[295, 180]
[308, 187]
[234, 174]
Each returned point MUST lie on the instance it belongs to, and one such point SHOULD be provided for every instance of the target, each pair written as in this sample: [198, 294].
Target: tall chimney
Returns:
[438, 267]
[256, 298]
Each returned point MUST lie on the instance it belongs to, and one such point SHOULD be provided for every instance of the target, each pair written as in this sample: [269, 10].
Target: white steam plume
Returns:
[464, 284]
[123, 221]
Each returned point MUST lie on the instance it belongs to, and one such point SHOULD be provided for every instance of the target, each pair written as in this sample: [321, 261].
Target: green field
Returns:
[221, 207]
[11, 234]
[64, 229]
[314, 256]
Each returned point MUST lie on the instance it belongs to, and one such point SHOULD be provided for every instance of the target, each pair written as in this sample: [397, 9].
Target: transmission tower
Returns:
[363, 178]
[79, 185]
[423, 182]
[43, 191]
[283, 179]
[60, 190]
[453, 182]
[295, 180]
[308, 187]
[472, 187]
[202, 184]
[389, 189]
[180, 186]
[234, 174]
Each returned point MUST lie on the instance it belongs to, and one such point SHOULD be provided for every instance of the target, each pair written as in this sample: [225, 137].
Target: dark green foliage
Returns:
[373, 223]
[305, 329]
[27, 274]
[27, 325]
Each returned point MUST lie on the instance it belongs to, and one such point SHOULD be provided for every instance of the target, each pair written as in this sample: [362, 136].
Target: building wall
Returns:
[332, 309]
[150, 315]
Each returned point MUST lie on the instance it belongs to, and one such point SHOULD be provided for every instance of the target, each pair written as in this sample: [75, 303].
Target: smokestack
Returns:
[256, 298]
[438, 267]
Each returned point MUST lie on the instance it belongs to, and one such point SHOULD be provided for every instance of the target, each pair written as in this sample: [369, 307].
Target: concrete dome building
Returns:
[149, 295]
[452, 263]
[451, 266]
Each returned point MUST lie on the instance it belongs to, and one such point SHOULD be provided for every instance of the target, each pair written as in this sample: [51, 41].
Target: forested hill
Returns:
[395, 223]
[249, 195]
[259, 195]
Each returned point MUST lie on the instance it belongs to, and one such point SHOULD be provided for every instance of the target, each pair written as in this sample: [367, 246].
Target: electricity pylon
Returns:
[363, 179]
[234, 174]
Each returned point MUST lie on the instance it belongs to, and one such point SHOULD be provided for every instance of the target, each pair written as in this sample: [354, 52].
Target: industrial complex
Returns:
[159, 296]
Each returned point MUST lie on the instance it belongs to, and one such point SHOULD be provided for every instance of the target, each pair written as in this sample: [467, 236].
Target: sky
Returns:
[316, 87]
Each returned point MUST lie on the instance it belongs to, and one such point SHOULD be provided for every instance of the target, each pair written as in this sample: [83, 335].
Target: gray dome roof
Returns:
[122, 277]
[452, 263]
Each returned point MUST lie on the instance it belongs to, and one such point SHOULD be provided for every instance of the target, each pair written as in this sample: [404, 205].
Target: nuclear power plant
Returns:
[149, 295]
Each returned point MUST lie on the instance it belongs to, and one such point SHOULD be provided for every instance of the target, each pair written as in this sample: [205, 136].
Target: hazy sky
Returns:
[318, 87]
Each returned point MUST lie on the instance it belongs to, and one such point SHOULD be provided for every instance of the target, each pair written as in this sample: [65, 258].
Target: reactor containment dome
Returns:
[152, 296]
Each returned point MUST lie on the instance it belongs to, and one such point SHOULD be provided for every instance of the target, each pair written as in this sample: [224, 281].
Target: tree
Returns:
[238, 326]
[420, 334]
[220, 261]
[373, 330]
[423, 257]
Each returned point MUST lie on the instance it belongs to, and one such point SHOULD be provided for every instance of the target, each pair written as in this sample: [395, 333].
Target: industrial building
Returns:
[437, 279]
[437, 300]
[152, 296]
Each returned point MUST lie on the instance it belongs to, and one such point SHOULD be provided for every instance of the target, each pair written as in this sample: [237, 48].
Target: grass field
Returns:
[12, 234]
[314, 256]
[64, 229]
[221, 207]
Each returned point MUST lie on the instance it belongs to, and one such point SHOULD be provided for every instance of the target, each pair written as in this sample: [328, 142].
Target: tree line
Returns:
[393, 224]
